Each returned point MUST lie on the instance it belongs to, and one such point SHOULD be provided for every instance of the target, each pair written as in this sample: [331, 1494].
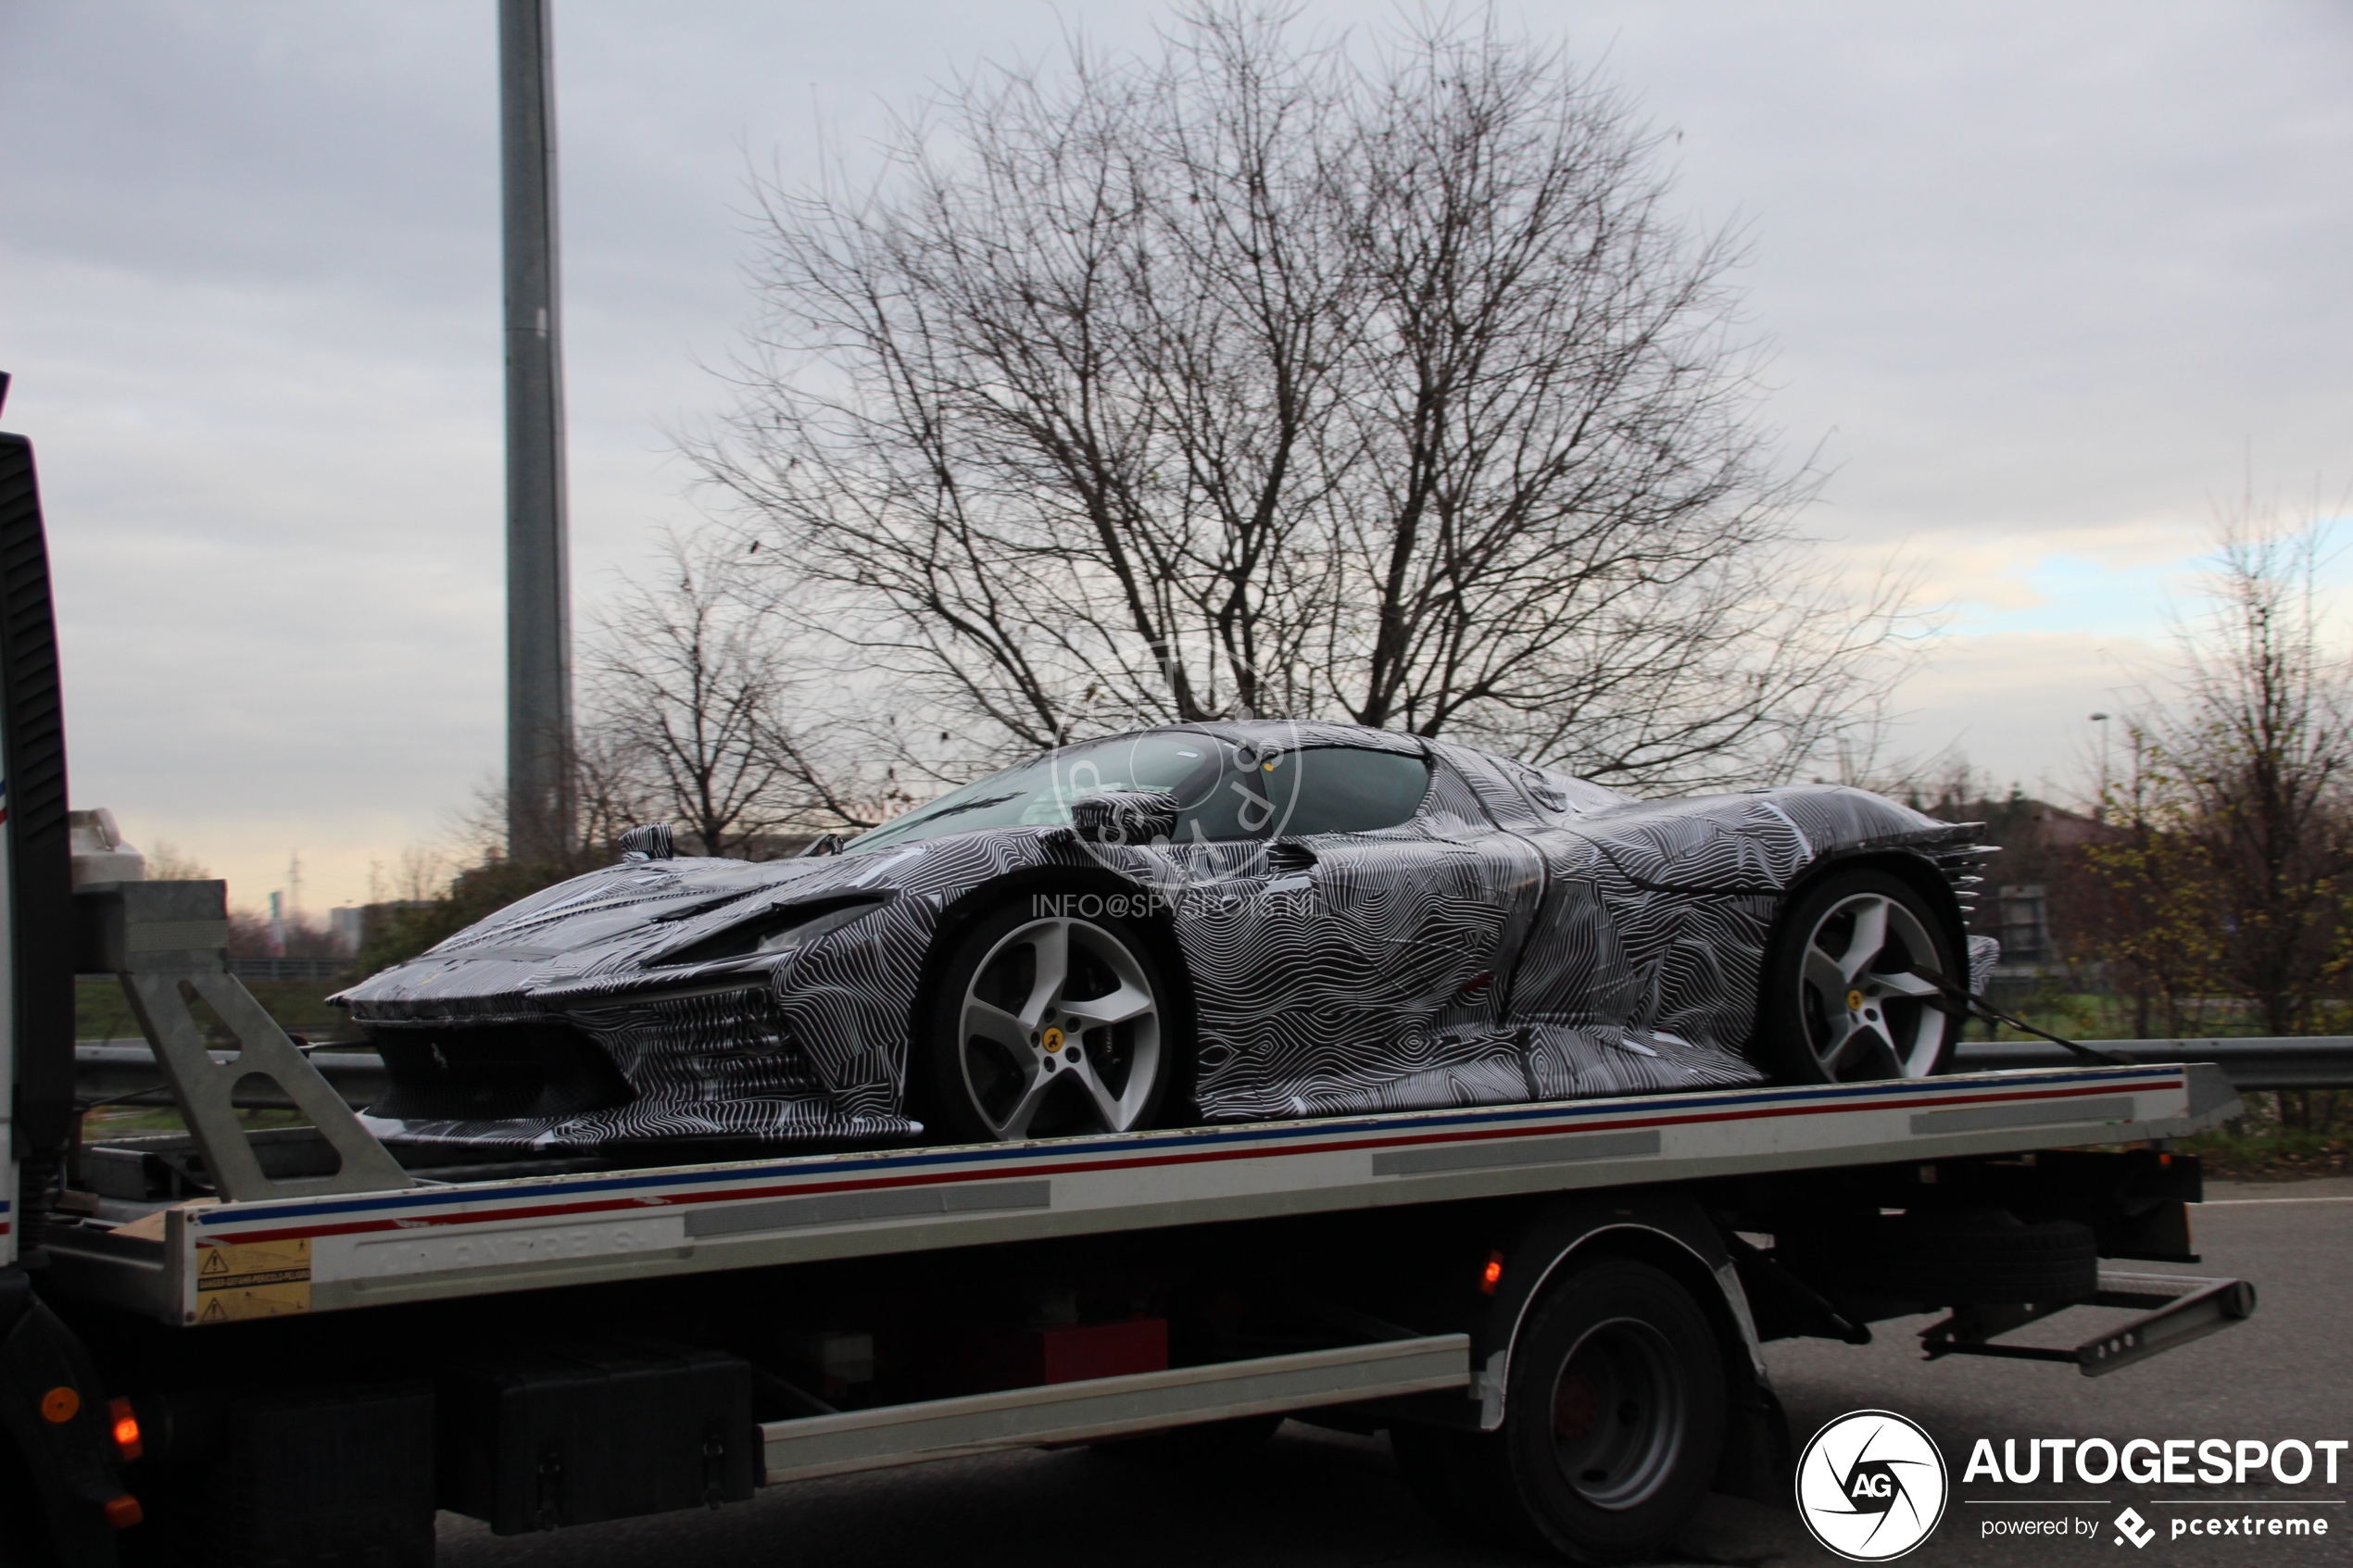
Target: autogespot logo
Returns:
[1871, 1485]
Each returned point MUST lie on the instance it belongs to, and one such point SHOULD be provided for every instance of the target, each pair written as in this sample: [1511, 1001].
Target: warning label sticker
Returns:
[252, 1279]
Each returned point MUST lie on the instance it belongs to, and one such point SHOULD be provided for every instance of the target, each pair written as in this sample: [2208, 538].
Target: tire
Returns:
[1978, 1258]
[1613, 1423]
[1840, 1001]
[1008, 1051]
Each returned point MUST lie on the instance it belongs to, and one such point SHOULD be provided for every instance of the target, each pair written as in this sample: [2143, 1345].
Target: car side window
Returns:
[1233, 807]
[1341, 789]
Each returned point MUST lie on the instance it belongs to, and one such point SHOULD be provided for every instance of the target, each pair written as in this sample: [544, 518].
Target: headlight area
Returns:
[771, 931]
[691, 1044]
[509, 1069]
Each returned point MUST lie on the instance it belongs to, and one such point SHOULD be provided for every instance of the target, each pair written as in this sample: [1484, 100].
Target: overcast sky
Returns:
[2040, 279]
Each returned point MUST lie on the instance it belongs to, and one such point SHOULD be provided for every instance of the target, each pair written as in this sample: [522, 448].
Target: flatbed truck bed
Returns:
[1402, 1257]
[483, 1236]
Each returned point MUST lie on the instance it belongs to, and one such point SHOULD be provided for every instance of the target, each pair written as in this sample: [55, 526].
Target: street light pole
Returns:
[539, 734]
[2099, 813]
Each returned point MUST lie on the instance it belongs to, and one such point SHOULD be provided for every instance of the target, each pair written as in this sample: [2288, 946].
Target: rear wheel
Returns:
[1045, 1023]
[1613, 1423]
[1843, 999]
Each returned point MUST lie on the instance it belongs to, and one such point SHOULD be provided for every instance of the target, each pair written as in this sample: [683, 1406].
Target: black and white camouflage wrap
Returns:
[1526, 935]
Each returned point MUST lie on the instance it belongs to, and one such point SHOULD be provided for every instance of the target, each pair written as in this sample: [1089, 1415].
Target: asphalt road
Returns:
[1311, 1497]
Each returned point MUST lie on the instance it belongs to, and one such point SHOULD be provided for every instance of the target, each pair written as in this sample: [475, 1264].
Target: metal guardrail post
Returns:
[126, 1072]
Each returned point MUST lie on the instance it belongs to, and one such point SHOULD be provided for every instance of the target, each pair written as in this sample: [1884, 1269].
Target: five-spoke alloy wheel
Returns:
[1845, 995]
[1046, 1023]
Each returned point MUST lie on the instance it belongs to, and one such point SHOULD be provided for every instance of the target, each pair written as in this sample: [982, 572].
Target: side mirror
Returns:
[652, 842]
[1124, 816]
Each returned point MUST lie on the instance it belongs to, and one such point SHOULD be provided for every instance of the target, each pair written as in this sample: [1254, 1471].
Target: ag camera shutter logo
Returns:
[1871, 1485]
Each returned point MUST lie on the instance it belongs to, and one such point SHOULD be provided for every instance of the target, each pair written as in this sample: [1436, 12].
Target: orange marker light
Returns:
[60, 1405]
[1491, 1275]
[126, 1427]
[124, 1512]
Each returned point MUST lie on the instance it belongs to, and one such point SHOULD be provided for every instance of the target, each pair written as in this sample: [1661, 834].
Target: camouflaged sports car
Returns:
[1212, 922]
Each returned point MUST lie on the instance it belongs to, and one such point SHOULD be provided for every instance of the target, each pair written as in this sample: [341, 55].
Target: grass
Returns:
[100, 1011]
[2088, 1015]
[114, 1119]
[2260, 1145]
[2249, 1151]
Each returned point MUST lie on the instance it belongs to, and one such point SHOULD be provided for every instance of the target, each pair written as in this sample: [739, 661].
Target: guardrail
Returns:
[2297, 1062]
[125, 1072]
[312, 971]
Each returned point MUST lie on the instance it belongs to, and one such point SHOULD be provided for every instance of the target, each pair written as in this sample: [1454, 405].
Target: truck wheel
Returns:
[1045, 1025]
[1972, 1257]
[1843, 1001]
[1613, 1420]
[1615, 1412]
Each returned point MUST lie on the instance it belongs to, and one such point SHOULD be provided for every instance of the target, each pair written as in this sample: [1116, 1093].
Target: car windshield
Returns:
[1040, 794]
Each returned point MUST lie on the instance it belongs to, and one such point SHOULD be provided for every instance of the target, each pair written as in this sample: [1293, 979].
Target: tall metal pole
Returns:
[540, 734]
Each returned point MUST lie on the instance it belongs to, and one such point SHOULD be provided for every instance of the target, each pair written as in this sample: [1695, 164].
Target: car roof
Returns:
[1281, 734]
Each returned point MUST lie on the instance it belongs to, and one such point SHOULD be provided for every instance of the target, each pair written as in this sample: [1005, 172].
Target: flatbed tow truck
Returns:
[282, 1346]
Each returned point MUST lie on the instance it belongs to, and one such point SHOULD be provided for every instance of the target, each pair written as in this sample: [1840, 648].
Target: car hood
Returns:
[631, 927]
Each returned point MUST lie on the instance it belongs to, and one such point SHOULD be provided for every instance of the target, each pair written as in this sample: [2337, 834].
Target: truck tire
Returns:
[1613, 1421]
[1974, 1258]
[1841, 1000]
[1046, 1024]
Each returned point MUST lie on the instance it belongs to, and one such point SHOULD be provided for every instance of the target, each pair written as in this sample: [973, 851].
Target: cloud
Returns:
[2036, 277]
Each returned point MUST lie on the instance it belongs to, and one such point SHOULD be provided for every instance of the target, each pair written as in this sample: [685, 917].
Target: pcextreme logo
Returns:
[1871, 1485]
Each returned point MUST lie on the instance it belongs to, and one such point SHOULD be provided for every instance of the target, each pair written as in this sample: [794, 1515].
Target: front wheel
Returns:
[1043, 1024]
[1844, 1000]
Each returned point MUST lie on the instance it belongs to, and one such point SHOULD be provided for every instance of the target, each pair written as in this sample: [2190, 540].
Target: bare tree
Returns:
[2157, 916]
[2258, 755]
[697, 711]
[1255, 378]
[166, 863]
[2233, 876]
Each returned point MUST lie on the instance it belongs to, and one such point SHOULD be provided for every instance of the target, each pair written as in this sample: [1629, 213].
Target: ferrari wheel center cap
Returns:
[1854, 1001]
[1053, 1038]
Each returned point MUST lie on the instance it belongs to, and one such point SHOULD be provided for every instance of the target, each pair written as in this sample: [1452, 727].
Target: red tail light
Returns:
[126, 1429]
